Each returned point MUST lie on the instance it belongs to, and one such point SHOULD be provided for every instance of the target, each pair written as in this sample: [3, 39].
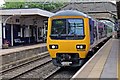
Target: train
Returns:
[71, 35]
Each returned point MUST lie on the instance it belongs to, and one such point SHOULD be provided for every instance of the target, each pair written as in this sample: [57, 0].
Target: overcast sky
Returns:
[2, 2]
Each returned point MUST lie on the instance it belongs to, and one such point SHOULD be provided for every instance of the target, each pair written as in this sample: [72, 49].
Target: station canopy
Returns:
[34, 11]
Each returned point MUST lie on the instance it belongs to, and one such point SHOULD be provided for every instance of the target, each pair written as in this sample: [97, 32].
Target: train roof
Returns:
[70, 13]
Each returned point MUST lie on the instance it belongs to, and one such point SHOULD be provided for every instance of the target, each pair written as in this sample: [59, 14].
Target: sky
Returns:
[2, 1]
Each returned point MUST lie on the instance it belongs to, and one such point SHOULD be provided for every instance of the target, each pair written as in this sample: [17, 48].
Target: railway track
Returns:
[49, 71]
[43, 69]
[41, 72]
[68, 72]
[33, 59]
[62, 73]
[26, 67]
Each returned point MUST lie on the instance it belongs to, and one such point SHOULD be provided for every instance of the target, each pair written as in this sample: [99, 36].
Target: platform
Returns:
[104, 64]
[22, 48]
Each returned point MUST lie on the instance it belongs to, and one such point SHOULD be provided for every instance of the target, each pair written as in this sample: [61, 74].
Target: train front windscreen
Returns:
[67, 29]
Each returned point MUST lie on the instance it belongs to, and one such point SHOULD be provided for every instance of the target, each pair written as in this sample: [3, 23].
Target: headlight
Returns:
[53, 46]
[80, 46]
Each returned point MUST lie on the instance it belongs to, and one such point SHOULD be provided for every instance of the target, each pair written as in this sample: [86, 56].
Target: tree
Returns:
[45, 6]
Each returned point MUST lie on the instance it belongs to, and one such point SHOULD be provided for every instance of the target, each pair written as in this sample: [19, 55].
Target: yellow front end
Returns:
[69, 46]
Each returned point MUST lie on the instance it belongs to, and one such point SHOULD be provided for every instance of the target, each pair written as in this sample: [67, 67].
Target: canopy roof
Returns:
[34, 11]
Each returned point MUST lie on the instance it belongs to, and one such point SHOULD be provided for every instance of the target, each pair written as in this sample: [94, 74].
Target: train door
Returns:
[105, 30]
[95, 32]
[91, 24]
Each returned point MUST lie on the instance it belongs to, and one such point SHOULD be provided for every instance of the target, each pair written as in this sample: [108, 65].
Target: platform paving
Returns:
[110, 68]
[104, 64]
[22, 48]
[119, 61]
